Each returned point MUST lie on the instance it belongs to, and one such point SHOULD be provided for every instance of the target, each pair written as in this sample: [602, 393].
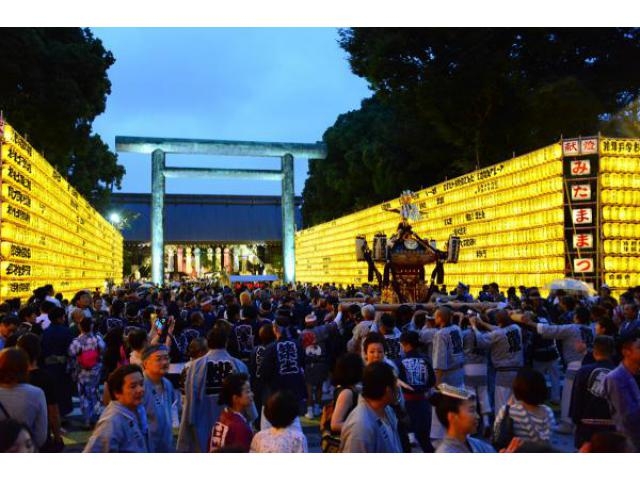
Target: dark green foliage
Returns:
[53, 83]
[449, 99]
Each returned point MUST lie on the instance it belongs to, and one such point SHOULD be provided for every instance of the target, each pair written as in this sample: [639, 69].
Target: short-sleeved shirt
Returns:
[532, 426]
[279, 440]
[365, 432]
[26, 404]
[571, 334]
[473, 353]
[505, 344]
[448, 353]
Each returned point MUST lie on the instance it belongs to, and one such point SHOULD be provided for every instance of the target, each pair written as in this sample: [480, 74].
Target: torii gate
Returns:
[159, 147]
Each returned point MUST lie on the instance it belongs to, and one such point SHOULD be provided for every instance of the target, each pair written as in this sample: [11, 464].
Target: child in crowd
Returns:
[282, 437]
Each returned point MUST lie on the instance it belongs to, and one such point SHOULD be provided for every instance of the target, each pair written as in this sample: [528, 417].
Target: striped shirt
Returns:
[534, 426]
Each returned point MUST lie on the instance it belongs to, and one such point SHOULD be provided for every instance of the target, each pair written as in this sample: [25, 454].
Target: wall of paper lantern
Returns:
[514, 224]
[620, 211]
[49, 234]
[509, 217]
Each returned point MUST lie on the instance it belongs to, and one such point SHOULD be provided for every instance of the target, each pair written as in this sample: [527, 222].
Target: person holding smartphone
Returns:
[162, 327]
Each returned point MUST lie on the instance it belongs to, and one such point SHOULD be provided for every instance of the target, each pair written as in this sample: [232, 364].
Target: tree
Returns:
[626, 122]
[53, 85]
[351, 175]
[456, 99]
[371, 152]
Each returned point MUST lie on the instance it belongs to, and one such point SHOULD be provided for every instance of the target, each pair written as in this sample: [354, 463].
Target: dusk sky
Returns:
[256, 84]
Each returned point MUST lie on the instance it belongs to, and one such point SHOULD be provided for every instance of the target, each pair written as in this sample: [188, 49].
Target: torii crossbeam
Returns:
[159, 147]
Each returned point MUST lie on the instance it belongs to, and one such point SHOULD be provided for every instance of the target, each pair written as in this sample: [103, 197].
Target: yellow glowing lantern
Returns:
[49, 233]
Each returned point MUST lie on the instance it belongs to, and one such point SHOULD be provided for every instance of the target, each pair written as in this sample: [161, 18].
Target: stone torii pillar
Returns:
[157, 216]
[159, 147]
[288, 220]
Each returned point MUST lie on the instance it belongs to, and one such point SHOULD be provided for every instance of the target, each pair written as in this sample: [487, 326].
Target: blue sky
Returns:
[256, 84]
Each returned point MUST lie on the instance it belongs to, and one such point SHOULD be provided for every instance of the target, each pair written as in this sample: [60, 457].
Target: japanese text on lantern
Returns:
[49, 233]
[509, 217]
[620, 147]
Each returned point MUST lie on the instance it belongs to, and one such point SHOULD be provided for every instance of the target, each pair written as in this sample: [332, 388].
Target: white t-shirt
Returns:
[279, 440]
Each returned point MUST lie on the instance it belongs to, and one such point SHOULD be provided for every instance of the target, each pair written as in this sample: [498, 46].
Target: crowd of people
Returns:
[235, 369]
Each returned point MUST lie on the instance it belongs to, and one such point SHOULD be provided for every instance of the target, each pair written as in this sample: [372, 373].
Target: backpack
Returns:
[503, 432]
[330, 442]
[87, 359]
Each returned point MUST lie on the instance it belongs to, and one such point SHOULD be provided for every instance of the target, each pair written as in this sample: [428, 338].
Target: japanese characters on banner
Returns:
[581, 207]
[49, 234]
[620, 211]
